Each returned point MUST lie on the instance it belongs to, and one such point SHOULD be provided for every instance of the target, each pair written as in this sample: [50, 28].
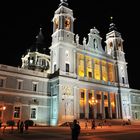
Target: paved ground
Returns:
[115, 132]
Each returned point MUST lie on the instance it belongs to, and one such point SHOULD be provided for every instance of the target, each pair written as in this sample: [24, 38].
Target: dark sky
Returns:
[20, 23]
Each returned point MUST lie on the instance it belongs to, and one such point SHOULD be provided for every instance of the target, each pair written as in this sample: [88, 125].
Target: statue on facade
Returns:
[84, 41]
[77, 39]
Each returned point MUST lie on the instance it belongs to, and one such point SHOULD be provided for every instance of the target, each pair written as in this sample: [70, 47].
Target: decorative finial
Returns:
[63, 2]
[111, 18]
[39, 37]
[112, 25]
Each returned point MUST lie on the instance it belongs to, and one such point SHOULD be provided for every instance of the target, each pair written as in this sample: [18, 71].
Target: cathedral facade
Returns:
[74, 81]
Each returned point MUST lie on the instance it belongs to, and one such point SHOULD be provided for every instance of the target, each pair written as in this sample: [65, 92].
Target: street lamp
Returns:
[93, 102]
[64, 99]
[2, 108]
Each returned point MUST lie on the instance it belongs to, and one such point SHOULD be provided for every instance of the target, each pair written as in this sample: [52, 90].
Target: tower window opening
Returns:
[123, 81]
[67, 67]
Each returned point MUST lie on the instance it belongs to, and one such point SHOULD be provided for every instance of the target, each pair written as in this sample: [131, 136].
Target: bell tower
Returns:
[63, 23]
[114, 48]
[63, 47]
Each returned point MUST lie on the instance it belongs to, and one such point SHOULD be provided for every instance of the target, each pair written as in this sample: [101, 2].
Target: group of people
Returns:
[21, 125]
[128, 122]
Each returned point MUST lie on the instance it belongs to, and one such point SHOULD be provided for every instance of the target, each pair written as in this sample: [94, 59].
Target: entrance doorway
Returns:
[106, 113]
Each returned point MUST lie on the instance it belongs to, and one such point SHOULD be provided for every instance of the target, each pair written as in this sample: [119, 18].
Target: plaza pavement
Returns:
[64, 133]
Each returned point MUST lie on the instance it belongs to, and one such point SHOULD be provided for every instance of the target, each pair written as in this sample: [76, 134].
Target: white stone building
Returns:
[74, 81]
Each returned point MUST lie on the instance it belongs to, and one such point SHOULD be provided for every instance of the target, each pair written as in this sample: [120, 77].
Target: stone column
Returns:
[119, 105]
[102, 104]
[109, 106]
[76, 102]
[116, 105]
[95, 106]
[107, 70]
[101, 70]
[87, 105]
[85, 72]
[92, 68]
[75, 62]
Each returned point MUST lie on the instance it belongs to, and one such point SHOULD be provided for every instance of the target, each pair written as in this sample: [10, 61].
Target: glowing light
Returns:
[3, 108]
[93, 101]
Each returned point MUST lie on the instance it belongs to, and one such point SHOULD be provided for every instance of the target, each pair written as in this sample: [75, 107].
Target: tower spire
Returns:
[63, 2]
[39, 37]
[112, 25]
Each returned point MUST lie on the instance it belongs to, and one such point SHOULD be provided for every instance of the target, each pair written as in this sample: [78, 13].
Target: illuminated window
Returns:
[97, 69]
[104, 71]
[82, 95]
[81, 65]
[56, 23]
[89, 67]
[110, 72]
[17, 112]
[82, 103]
[33, 113]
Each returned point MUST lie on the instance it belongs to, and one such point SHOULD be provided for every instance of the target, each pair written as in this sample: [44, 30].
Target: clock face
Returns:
[67, 23]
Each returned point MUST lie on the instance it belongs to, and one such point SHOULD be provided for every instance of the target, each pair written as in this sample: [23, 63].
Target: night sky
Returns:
[20, 23]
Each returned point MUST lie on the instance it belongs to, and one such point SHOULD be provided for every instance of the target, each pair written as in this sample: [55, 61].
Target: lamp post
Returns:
[2, 108]
[93, 102]
[64, 99]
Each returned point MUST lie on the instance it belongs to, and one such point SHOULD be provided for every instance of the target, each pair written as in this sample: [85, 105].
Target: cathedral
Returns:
[75, 81]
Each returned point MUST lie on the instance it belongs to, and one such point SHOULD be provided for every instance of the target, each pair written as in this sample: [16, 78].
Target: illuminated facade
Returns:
[52, 89]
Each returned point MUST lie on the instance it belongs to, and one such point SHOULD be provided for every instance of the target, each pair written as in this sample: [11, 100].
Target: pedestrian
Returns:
[21, 127]
[129, 121]
[75, 130]
[4, 127]
[123, 123]
[26, 125]
[18, 125]
[93, 124]
[86, 124]
[0, 124]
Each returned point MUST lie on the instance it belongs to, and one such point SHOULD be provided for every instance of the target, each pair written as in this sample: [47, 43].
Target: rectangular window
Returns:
[90, 95]
[34, 86]
[67, 67]
[19, 84]
[54, 67]
[1, 82]
[82, 95]
[33, 113]
[98, 96]
[1, 111]
[16, 112]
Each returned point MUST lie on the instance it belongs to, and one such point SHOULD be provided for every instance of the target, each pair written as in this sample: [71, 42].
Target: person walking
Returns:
[18, 125]
[75, 130]
[0, 124]
[26, 125]
[21, 127]
[86, 125]
[93, 124]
